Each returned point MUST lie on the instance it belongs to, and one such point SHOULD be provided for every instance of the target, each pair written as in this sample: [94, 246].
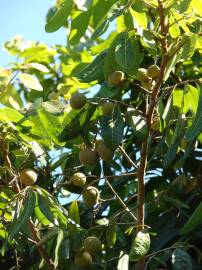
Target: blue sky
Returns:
[26, 18]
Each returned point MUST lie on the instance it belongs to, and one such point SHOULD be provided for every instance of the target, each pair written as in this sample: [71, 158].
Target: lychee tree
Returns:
[101, 140]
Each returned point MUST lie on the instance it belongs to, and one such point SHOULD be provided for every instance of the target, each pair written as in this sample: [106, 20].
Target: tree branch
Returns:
[149, 116]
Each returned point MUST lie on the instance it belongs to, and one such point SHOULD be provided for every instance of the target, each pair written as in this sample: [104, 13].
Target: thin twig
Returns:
[127, 157]
[120, 200]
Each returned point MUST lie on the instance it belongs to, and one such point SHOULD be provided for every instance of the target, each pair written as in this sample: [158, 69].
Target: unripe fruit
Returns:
[77, 101]
[93, 245]
[116, 78]
[88, 156]
[90, 196]
[107, 108]
[153, 71]
[148, 84]
[104, 152]
[28, 177]
[141, 74]
[78, 179]
[83, 259]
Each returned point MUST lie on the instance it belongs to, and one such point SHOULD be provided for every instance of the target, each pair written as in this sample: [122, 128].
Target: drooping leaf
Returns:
[79, 25]
[30, 81]
[196, 127]
[111, 234]
[93, 71]
[29, 204]
[194, 221]
[126, 52]
[112, 128]
[74, 212]
[181, 260]
[140, 246]
[59, 17]
[60, 238]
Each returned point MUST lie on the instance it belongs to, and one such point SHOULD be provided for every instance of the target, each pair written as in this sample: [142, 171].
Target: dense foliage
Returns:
[101, 140]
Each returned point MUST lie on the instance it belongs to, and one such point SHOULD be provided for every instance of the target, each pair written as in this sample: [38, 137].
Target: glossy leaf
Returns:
[111, 234]
[140, 246]
[30, 81]
[29, 204]
[112, 128]
[196, 127]
[74, 212]
[181, 260]
[59, 17]
[194, 221]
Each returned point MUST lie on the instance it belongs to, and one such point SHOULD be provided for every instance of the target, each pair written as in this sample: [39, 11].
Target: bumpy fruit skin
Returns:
[90, 196]
[116, 78]
[141, 75]
[107, 108]
[77, 101]
[88, 156]
[28, 177]
[153, 71]
[78, 179]
[93, 245]
[104, 152]
[83, 259]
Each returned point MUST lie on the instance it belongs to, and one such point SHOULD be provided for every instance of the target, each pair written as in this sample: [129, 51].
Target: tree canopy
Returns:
[101, 140]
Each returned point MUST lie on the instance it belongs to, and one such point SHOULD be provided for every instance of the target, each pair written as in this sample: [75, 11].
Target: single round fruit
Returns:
[83, 259]
[141, 74]
[107, 108]
[153, 71]
[77, 101]
[28, 177]
[88, 156]
[78, 179]
[148, 84]
[93, 245]
[116, 78]
[104, 152]
[90, 196]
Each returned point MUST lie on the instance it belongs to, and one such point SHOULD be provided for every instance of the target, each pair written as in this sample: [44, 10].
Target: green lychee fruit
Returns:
[83, 259]
[77, 101]
[90, 196]
[28, 177]
[116, 78]
[78, 179]
[107, 108]
[92, 245]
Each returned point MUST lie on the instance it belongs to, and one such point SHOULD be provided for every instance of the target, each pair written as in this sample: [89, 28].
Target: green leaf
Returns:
[93, 71]
[79, 25]
[112, 128]
[30, 81]
[60, 238]
[111, 234]
[29, 204]
[125, 52]
[176, 138]
[194, 221]
[196, 127]
[140, 246]
[139, 126]
[197, 6]
[59, 17]
[73, 212]
[181, 260]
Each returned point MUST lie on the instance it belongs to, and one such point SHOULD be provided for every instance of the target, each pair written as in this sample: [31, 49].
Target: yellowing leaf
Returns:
[140, 18]
[30, 81]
